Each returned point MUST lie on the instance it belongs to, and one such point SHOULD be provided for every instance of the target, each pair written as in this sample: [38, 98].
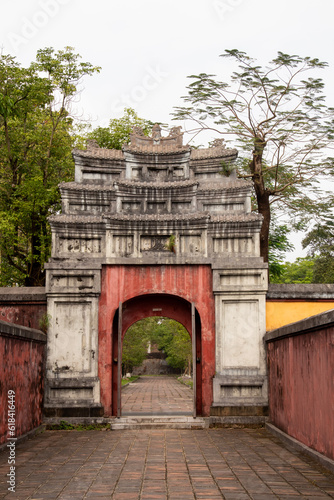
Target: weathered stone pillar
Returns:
[72, 383]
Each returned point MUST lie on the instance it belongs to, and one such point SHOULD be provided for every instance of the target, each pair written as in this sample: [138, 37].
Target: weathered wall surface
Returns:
[301, 382]
[122, 283]
[22, 371]
[289, 303]
[23, 306]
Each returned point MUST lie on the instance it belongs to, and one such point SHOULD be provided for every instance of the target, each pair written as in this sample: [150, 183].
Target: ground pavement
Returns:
[156, 464]
[160, 395]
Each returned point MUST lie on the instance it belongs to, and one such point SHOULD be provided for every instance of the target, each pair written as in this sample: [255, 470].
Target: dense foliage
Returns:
[119, 130]
[168, 335]
[300, 271]
[318, 266]
[320, 244]
[36, 140]
[278, 245]
[135, 345]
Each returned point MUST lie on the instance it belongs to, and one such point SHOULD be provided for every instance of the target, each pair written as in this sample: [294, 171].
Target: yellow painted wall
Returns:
[280, 313]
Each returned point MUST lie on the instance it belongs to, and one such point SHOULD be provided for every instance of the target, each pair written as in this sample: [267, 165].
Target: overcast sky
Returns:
[147, 48]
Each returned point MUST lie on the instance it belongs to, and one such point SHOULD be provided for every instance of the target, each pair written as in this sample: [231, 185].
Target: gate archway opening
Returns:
[144, 306]
[159, 351]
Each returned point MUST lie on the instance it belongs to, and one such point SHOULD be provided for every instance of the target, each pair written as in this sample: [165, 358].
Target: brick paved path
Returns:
[163, 464]
[161, 395]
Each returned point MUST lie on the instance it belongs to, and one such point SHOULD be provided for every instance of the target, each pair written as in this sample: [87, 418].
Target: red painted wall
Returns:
[123, 283]
[301, 388]
[21, 368]
[23, 314]
[23, 306]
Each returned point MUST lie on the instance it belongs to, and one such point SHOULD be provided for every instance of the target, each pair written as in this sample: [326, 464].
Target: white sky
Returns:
[147, 48]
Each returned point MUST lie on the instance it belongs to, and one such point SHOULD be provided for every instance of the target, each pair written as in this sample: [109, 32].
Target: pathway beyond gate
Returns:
[157, 395]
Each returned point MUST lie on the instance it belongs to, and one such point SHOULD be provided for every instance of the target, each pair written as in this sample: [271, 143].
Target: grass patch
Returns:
[186, 381]
[66, 426]
[126, 381]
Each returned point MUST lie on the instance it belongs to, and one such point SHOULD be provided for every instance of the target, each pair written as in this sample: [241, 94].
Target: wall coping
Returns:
[317, 322]
[287, 291]
[300, 291]
[23, 332]
[16, 293]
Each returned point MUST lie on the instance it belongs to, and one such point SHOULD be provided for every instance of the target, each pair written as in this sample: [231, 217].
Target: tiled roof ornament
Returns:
[92, 144]
[175, 131]
[174, 140]
[138, 131]
[218, 143]
[156, 133]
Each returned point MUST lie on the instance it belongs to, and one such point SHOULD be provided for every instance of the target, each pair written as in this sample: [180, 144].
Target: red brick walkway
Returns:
[160, 395]
[235, 464]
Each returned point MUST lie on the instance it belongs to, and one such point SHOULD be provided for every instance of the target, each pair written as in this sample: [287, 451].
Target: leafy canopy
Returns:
[168, 335]
[320, 244]
[119, 130]
[37, 136]
[278, 245]
[135, 345]
[300, 271]
[318, 266]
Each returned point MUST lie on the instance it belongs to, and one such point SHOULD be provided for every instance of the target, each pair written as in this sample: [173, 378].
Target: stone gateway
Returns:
[157, 229]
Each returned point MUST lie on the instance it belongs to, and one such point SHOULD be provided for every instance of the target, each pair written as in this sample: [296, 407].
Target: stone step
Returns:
[154, 422]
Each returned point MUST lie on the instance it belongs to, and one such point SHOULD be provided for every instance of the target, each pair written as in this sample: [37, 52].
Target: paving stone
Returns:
[234, 464]
[156, 396]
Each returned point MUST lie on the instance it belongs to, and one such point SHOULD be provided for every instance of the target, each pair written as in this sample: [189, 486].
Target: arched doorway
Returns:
[148, 305]
[141, 290]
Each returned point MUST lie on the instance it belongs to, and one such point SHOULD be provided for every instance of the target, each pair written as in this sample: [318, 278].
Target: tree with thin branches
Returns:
[282, 126]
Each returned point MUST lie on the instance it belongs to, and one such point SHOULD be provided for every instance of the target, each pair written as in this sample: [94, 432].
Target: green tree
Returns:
[135, 345]
[320, 244]
[300, 271]
[36, 139]
[278, 245]
[179, 351]
[280, 121]
[119, 130]
[167, 334]
[172, 338]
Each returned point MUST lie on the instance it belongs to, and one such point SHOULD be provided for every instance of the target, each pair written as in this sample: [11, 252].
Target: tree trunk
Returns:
[262, 195]
[264, 209]
[36, 276]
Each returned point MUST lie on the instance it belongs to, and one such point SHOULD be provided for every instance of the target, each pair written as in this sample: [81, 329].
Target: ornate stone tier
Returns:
[215, 152]
[223, 185]
[158, 217]
[156, 149]
[99, 153]
[74, 219]
[226, 185]
[176, 184]
[130, 235]
[151, 158]
[127, 196]
[196, 155]
[229, 218]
